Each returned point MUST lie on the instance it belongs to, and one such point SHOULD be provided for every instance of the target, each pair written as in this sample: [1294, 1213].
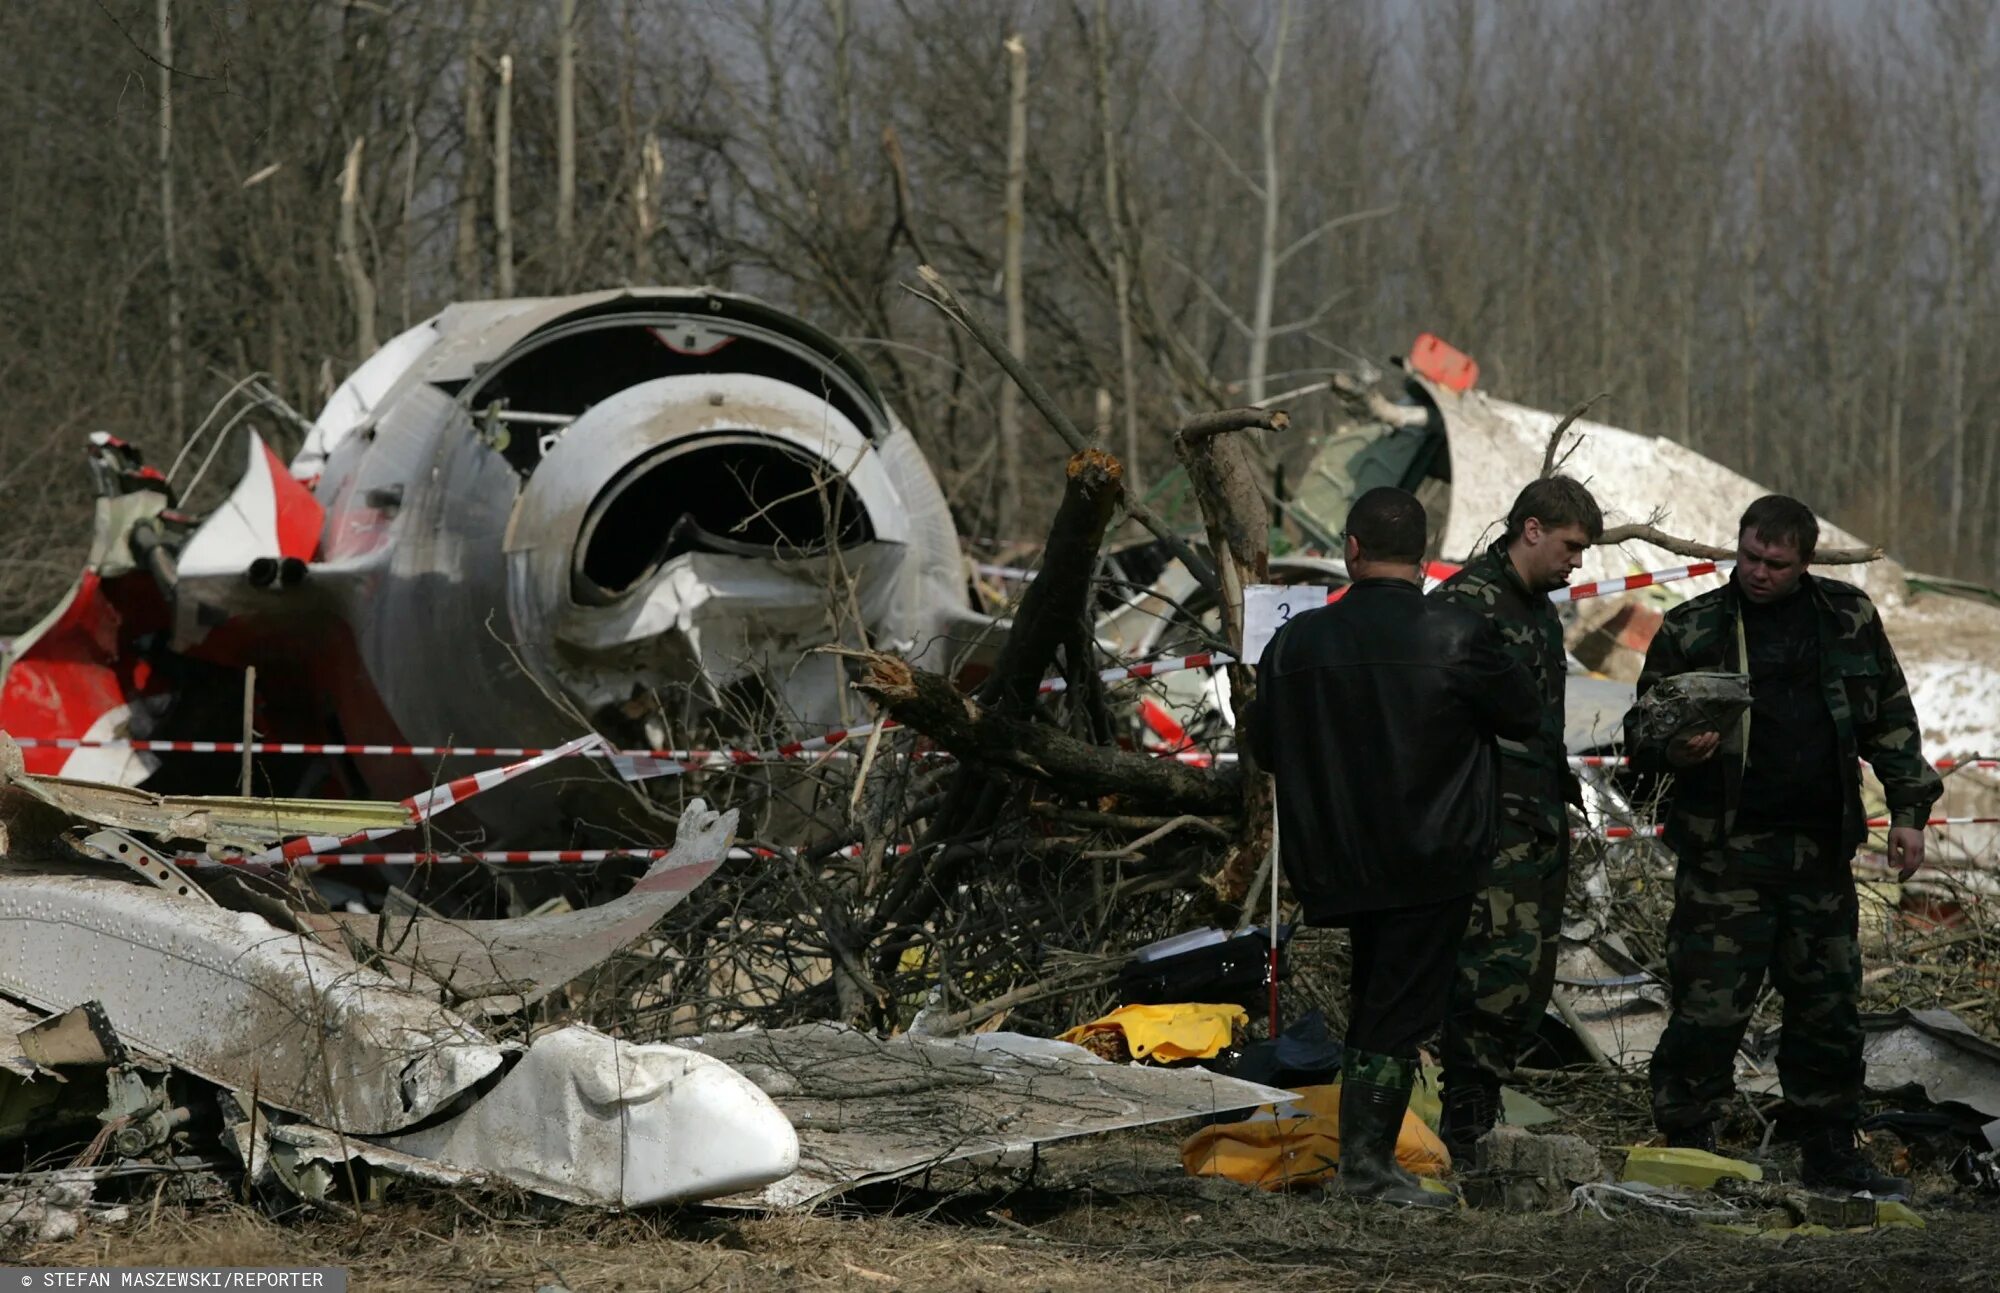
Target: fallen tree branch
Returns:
[958, 311]
[928, 702]
[1202, 426]
[1361, 398]
[1549, 460]
[1708, 552]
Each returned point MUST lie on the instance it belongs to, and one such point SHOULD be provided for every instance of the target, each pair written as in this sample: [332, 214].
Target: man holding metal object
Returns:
[1764, 815]
[1507, 961]
[1378, 716]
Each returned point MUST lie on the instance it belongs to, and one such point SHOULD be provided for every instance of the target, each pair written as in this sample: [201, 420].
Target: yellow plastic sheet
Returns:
[1658, 1165]
[1298, 1144]
[1188, 1031]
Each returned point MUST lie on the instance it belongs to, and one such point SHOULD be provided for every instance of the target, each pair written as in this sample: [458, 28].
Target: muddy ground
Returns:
[1110, 1213]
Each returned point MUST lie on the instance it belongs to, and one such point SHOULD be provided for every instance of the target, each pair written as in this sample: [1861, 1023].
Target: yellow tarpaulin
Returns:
[1187, 1031]
[1298, 1144]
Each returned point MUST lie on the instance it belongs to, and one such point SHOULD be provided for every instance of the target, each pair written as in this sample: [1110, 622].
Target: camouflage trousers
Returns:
[1774, 904]
[1507, 959]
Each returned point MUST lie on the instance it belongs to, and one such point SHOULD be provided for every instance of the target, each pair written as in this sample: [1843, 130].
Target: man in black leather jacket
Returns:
[1378, 717]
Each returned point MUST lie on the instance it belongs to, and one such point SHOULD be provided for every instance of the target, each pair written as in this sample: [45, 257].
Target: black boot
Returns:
[1471, 1106]
[1832, 1161]
[1374, 1094]
[1700, 1135]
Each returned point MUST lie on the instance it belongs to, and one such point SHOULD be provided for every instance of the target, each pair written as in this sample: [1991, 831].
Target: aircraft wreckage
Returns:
[627, 508]
[640, 511]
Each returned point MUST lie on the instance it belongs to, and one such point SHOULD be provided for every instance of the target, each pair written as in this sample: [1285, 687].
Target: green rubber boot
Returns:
[1374, 1094]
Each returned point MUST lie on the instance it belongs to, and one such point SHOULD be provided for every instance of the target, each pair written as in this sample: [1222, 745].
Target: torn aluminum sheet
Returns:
[499, 966]
[872, 1110]
[228, 997]
[221, 821]
[79, 1036]
[310, 1161]
[1935, 1052]
[593, 1119]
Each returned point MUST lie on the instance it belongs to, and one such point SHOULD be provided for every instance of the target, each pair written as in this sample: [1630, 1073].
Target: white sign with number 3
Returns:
[1268, 607]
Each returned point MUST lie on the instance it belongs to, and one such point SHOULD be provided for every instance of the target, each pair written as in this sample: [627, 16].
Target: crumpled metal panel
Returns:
[593, 1119]
[227, 821]
[228, 997]
[534, 955]
[873, 1110]
[1937, 1053]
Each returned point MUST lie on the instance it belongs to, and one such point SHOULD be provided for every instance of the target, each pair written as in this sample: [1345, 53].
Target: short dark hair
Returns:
[1555, 501]
[1388, 524]
[1775, 518]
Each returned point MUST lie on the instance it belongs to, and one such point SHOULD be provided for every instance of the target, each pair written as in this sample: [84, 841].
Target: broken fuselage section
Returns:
[643, 508]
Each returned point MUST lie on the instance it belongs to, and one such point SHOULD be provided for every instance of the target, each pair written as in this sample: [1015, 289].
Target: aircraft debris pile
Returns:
[683, 519]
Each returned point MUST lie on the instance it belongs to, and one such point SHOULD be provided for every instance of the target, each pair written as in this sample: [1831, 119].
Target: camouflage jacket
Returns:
[1534, 774]
[1864, 690]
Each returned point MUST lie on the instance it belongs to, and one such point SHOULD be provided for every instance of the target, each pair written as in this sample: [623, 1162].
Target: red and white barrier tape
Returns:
[1620, 761]
[577, 856]
[1150, 669]
[680, 760]
[639, 765]
[515, 856]
[1644, 579]
[1875, 823]
[431, 802]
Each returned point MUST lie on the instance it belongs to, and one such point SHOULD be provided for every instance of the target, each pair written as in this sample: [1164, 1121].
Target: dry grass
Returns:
[1113, 1212]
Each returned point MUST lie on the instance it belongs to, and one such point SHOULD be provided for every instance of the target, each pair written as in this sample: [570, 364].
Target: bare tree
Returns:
[1121, 268]
[471, 163]
[1017, 312]
[565, 141]
[503, 191]
[169, 244]
[360, 285]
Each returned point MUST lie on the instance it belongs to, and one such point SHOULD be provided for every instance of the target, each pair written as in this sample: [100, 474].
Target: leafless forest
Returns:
[1768, 230]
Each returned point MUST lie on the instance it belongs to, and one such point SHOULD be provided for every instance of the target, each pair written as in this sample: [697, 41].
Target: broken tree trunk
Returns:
[929, 703]
[1054, 614]
[1058, 600]
[1225, 476]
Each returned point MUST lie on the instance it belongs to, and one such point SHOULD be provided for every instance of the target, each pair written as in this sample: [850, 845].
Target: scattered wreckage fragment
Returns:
[301, 1033]
[869, 1110]
[495, 967]
[334, 1051]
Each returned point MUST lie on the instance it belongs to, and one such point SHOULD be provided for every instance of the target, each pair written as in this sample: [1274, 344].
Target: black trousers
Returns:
[1405, 959]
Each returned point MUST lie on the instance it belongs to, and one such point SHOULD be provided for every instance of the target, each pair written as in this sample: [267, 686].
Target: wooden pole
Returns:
[249, 730]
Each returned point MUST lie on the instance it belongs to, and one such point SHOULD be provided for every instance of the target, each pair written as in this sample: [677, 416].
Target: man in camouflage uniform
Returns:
[1764, 820]
[1507, 960]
